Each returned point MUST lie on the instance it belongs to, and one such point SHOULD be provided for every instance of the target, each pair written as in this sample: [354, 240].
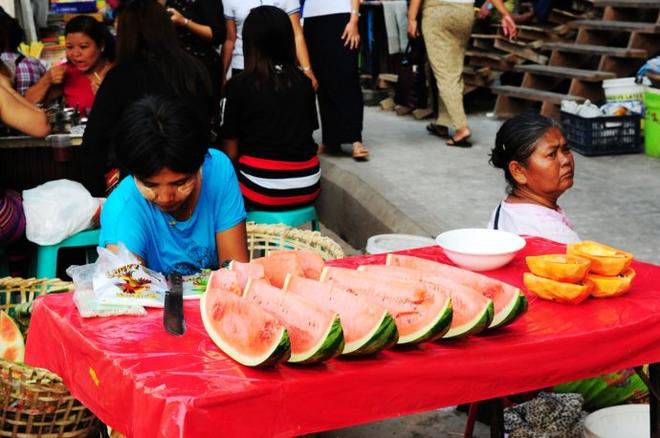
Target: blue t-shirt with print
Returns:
[165, 244]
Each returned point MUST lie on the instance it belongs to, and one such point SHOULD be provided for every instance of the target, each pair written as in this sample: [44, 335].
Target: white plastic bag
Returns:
[86, 300]
[120, 279]
[57, 210]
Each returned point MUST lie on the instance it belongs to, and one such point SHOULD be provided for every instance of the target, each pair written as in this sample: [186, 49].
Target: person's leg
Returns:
[336, 68]
[447, 28]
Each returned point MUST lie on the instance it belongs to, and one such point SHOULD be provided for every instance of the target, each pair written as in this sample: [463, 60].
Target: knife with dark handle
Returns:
[173, 312]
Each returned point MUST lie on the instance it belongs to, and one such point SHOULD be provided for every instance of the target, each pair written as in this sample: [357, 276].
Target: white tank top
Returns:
[315, 8]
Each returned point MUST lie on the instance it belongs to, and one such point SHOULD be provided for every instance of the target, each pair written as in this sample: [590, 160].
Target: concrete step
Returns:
[566, 72]
[618, 26]
[590, 49]
[532, 94]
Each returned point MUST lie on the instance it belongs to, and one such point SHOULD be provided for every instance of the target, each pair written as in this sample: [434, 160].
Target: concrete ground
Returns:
[415, 184]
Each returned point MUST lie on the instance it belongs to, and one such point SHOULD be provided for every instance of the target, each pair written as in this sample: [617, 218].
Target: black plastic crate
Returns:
[607, 135]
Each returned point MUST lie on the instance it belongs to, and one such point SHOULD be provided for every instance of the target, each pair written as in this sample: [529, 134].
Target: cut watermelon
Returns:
[276, 268]
[311, 261]
[12, 344]
[245, 271]
[509, 301]
[420, 314]
[472, 312]
[242, 330]
[316, 333]
[368, 328]
[225, 280]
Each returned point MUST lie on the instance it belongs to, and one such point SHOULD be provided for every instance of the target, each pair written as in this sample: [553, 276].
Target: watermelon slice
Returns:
[509, 301]
[367, 328]
[276, 268]
[242, 330]
[472, 312]
[12, 344]
[225, 280]
[421, 314]
[311, 261]
[245, 271]
[316, 333]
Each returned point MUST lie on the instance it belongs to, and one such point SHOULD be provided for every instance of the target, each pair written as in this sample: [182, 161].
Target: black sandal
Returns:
[462, 143]
[438, 130]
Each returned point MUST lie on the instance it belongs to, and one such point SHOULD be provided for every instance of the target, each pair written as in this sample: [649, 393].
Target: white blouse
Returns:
[315, 8]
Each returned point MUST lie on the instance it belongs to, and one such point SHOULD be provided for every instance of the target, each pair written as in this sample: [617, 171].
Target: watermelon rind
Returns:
[383, 336]
[10, 329]
[279, 352]
[330, 345]
[435, 329]
[478, 324]
[512, 311]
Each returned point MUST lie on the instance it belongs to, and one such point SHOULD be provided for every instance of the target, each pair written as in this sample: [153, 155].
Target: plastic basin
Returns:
[625, 421]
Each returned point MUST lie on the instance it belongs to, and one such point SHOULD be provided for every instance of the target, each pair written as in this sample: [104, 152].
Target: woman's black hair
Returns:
[94, 30]
[155, 133]
[516, 140]
[269, 48]
[145, 33]
[11, 33]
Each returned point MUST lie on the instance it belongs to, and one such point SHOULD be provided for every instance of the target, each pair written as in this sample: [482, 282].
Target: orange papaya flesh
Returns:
[605, 260]
[611, 286]
[570, 293]
[559, 267]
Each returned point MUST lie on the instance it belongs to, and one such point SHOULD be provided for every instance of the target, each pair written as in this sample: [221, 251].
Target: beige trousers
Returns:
[446, 28]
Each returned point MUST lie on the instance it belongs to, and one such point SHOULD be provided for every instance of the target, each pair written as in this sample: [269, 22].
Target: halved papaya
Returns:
[605, 260]
[571, 293]
[611, 286]
[559, 267]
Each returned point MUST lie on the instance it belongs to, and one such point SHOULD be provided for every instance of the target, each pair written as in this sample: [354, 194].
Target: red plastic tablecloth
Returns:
[144, 382]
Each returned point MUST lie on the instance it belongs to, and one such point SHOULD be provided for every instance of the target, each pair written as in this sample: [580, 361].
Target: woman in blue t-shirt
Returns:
[181, 210]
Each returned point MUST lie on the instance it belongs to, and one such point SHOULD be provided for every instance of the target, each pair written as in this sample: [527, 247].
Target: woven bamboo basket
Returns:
[34, 401]
[262, 238]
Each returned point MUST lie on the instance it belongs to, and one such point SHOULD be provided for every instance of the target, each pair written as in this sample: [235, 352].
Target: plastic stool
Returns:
[292, 218]
[47, 255]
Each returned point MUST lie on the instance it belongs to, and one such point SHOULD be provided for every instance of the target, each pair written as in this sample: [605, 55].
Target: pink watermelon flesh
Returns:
[421, 314]
[508, 301]
[12, 344]
[315, 333]
[276, 268]
[468, 305]
[242, 330]
[311, 261]
[364, 324]
[245, 271]
[226, 280]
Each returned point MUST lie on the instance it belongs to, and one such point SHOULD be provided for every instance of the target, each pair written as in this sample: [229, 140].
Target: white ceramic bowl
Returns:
[480, 249]
[625, 421]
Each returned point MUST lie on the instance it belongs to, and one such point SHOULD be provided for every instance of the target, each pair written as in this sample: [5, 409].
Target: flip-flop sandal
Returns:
[438, 130]
[361, 154]
[462, 143]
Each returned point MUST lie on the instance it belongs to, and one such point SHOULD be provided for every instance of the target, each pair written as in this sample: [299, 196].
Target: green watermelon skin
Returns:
[333, 346]
[385, 337]
[439, 329]
[281, 354]
[520, 309]
[483, 324]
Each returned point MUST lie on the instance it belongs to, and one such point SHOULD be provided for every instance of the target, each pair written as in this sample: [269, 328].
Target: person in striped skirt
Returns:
[269, 117]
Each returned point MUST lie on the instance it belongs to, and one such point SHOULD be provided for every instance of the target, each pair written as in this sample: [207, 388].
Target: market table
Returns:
[144, 382]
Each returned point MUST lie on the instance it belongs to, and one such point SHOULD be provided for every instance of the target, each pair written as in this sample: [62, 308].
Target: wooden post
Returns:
[654, 377]
[497, 418]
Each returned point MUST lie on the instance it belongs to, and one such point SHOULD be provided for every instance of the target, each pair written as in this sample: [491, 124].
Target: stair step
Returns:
[618, 52]
[566, 72]
[627, 3]
[533, 94]
[622, 26]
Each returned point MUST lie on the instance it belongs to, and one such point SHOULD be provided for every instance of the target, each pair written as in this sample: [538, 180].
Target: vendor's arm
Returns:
[18, 113]
[508, 25]
[232, 244]
[49, 86]
[351, 35]
[228, 46]
[231, 148]
[214, 28]
[121, 222]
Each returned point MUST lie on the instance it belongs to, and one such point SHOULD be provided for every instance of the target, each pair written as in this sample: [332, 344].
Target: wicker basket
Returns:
[34, 401]
[262, 238]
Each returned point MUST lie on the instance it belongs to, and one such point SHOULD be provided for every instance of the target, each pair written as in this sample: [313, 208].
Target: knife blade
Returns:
[173, 313]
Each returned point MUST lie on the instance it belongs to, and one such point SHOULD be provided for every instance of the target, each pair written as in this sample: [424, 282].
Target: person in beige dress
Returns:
[446, 26]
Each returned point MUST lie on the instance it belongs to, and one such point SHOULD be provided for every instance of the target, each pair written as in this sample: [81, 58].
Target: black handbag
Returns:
[411, 89]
